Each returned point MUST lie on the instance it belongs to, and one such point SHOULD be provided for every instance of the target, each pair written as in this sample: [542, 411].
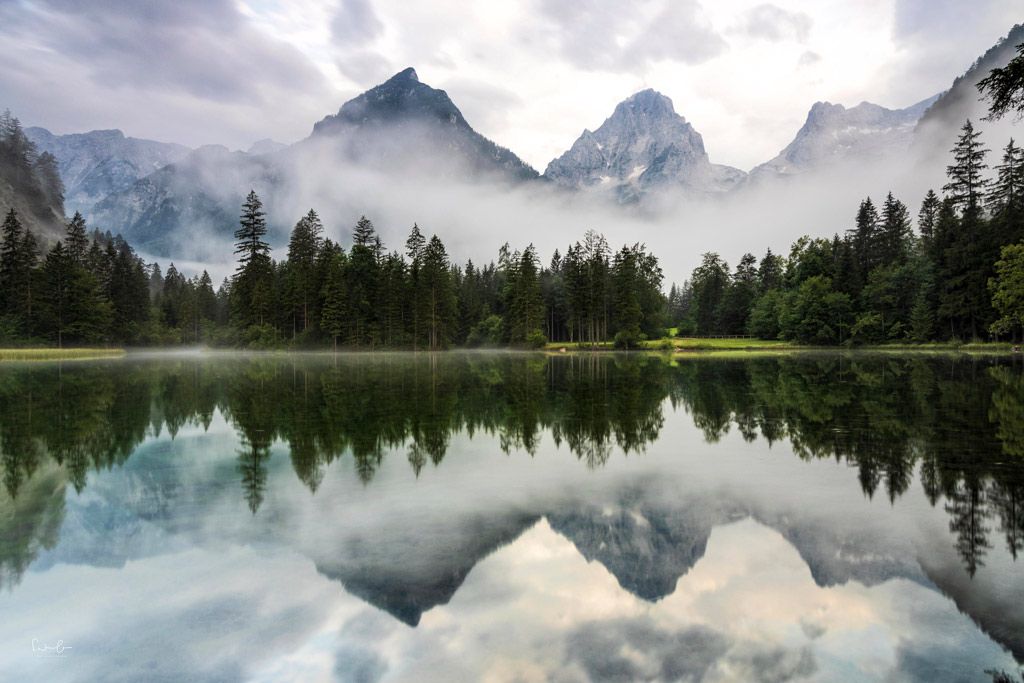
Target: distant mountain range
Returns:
[833, 134]
[100, 163]
[152, 191]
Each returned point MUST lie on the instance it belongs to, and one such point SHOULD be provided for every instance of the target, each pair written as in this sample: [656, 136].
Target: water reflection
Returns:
[163, 454]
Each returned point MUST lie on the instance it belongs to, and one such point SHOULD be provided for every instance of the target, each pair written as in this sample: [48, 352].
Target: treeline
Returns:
[368, 297]
[960, 276]
[95, 289]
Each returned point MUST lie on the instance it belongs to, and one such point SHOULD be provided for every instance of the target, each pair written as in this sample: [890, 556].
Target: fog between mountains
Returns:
[475, 214]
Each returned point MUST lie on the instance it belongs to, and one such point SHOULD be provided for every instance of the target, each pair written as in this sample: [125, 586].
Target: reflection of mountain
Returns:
[836, 556]
[935, 430]
[647, 548]
[418, 569]
[995, 606]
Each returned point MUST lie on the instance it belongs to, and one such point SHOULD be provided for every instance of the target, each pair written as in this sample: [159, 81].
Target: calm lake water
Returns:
[512, 517]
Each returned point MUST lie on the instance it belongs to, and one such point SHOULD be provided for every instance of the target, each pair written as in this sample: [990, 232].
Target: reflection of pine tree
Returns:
[1008, 500]
[252, 466]
[967, 508]
[417, 458]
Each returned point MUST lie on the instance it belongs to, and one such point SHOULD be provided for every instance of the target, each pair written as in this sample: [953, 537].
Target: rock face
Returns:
[404, 124]
[400, 126]
[643, 146]
[834, 134]
[938, 127]
[181, 203]
[102, 162]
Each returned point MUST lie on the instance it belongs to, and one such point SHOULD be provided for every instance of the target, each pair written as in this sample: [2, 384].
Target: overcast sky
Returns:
[531, 75]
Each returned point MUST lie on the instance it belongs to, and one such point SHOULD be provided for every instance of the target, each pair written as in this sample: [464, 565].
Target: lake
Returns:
[512, 517]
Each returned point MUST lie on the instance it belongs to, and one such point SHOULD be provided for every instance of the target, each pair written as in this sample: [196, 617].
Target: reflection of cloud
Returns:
[246, 602]
[636, 649]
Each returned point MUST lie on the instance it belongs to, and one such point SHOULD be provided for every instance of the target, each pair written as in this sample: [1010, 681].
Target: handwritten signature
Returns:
[44, 650]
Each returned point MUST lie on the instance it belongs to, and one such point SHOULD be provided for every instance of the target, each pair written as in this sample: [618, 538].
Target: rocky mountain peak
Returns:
[643, 145]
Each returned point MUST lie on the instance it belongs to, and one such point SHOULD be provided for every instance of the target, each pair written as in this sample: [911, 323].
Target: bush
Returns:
[262, 337]
[628, 339]
[536, 340]
[487, 332]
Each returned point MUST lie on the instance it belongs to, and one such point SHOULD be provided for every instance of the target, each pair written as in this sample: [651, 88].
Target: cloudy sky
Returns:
[531, 75]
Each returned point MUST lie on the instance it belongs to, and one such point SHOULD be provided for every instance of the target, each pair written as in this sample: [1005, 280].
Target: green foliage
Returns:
[816, 314]
[1007, 288]
[1004, 87]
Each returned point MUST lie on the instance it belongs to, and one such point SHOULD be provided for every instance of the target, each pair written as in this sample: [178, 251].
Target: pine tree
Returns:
[334, 313]
[363, 283]
[252, 287]
[77, 240]
[303, 281]
[770, 271]
[11, 236]
[926, 220]
[864, 239]
[415, 246]
[738, 299]
[439, 293]
[709, 281]
[626, 298]
[966, 186]
[895, 232]
[1004, 87]
[1006, 197]
[250, 244]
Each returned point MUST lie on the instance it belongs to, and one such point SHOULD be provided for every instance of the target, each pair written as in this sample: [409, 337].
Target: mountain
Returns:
[938, 126]
[29, 182]
[404, 122]
[99, 163]
[266, 146]
[643, 146]
[399, 127]
[196, 197]
[833, 134]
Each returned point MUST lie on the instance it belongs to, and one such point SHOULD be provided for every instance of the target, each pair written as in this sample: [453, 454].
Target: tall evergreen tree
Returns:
[966, 186]
[76, 242]
[303, 275]
[252, 288]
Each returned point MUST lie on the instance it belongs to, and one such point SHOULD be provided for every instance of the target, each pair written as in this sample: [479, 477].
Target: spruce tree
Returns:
[363, 283]
[251, 289]
[895, 232]
[966, 186]
[303, 281]
[76, 243]
[439, 294]
[334, 312]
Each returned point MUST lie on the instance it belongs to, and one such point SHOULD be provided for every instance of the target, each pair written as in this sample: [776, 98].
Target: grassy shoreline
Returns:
[58, 354]
[709, 345]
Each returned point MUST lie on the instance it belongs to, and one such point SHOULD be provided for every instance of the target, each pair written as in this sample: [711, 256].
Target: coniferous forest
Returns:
[953, 272]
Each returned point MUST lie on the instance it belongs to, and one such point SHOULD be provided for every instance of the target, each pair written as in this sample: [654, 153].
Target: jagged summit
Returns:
[406, 74]
[404, 121]
[834, 134]
[643, 145]
[400, 98]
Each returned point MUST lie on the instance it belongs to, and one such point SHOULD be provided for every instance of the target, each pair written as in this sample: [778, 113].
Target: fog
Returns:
[402, 182]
